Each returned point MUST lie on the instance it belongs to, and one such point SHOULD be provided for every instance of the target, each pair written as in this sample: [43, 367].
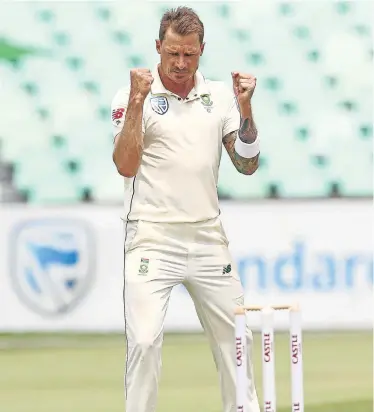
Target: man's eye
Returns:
[173, 54]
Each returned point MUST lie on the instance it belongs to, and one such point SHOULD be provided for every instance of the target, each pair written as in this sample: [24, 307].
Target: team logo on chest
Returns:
[206, 102]
[160, 104]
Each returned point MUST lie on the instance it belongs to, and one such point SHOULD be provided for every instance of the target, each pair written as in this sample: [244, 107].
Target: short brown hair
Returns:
[183, 20]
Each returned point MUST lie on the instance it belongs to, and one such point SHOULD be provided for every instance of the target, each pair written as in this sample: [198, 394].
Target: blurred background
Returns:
[300, 229]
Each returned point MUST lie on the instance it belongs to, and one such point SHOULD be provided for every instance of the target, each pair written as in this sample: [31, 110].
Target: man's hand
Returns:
[244, 87]
[128, 145]
[141, 80]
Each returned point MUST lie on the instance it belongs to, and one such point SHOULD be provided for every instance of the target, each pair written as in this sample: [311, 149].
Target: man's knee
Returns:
[145, 345]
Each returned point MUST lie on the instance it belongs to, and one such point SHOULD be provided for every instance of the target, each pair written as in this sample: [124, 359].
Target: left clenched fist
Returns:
[244, 86]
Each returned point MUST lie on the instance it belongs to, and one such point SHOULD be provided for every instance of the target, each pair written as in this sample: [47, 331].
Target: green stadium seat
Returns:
[313, 115]
[109, 188]
[33, 37]
[43, 177]
[62, 191]
[305, 178]
[358, 174]
[245, 187]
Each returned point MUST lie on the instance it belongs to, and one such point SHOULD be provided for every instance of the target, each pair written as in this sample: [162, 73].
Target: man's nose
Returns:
[181, 63]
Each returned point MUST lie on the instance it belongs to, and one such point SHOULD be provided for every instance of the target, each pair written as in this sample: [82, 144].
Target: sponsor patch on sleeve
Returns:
[117, 114]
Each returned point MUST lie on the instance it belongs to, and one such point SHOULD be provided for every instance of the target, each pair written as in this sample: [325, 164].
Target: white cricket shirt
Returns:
[178, 174]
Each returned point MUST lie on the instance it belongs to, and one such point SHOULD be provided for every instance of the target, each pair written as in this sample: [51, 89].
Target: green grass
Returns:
[63, 373]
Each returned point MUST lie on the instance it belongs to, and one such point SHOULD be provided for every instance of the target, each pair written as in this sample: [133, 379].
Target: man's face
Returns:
[179, 55]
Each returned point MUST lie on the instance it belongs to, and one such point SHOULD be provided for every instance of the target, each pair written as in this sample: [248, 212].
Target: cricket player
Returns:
[169, 127]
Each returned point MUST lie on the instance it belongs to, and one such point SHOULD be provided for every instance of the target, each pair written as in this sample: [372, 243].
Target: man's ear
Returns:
[202, 49]
[158, 46]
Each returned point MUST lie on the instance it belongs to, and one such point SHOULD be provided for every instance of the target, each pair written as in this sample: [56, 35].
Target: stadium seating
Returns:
[313, 103]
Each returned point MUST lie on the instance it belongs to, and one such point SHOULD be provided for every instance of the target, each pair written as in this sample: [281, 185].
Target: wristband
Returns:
[247, 150]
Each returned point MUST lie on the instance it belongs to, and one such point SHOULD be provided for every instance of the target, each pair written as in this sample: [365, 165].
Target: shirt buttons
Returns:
[179, 98]
[187, 98]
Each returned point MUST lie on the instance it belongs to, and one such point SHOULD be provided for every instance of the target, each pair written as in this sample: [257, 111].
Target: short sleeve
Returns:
[118, 110]
[232, 118]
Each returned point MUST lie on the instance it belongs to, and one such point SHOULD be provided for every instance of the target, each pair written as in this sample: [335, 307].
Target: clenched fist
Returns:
[244, 86]
[141, 80]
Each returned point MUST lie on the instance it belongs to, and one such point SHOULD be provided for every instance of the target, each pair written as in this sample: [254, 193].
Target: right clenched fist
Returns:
[141, 80]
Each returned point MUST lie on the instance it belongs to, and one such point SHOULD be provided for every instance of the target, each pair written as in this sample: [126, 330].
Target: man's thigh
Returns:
[213, 266]
[215, 285]
[149, 276]
[145, 305]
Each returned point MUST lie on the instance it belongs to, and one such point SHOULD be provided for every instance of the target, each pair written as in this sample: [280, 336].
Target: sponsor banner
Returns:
[61, 268]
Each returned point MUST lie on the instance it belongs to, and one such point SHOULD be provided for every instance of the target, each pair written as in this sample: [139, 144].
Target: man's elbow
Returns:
[126, 173]
[123, 168]
[253, 169]
[247, 170]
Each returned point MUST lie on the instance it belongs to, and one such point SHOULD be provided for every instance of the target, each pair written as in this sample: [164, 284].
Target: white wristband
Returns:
[247, 150]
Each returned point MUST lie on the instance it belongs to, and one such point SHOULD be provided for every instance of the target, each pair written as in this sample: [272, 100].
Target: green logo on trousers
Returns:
[226, 269]
[143, 268]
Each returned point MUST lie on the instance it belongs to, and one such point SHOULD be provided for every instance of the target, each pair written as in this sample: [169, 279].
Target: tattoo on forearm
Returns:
[247, 130]
[243, 165]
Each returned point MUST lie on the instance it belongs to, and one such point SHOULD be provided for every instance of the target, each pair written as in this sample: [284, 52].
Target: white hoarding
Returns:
[61, 268]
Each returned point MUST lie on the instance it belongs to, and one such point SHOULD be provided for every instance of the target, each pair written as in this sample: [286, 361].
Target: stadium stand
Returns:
[313, 103]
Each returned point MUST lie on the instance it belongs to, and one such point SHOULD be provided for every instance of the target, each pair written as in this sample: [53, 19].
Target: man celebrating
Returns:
[169, 127]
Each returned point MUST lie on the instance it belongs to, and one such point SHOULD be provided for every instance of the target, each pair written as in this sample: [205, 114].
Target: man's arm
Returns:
[247, 133]
[128, 145]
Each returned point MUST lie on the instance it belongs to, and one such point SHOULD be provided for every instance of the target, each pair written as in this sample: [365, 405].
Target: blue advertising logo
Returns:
[52, 264]
[303, 270]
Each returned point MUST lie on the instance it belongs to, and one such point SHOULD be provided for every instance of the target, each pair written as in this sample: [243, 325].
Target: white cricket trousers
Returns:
[159, 256]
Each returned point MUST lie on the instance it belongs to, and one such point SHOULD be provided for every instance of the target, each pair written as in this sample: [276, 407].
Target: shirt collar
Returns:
[199, 89]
